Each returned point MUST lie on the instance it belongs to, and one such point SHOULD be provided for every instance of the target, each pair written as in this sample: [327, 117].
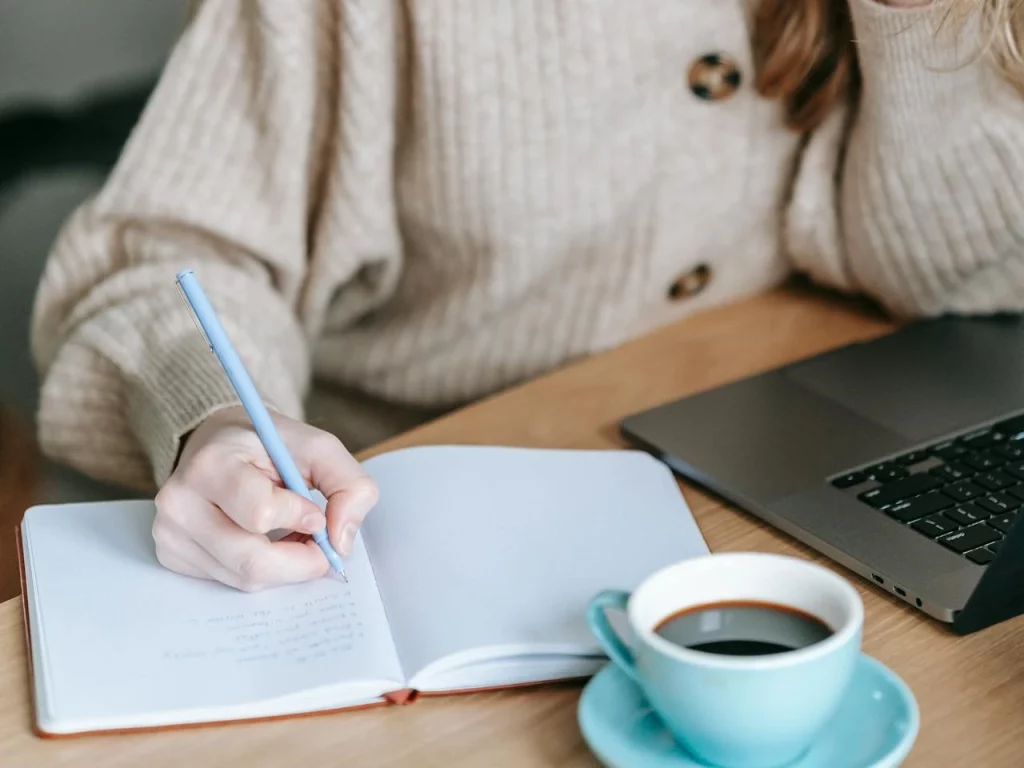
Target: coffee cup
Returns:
[744, 656]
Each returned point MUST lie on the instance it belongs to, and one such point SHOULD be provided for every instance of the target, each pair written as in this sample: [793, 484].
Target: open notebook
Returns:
[474, 571]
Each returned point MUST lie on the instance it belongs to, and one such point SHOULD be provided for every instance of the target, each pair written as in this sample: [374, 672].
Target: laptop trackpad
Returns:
[928, 380]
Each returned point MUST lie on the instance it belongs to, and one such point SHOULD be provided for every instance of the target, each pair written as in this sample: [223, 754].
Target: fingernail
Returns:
[313, 522]
[348, 538]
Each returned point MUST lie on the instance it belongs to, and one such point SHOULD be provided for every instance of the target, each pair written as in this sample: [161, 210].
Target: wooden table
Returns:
[971, 690]
[19, 472]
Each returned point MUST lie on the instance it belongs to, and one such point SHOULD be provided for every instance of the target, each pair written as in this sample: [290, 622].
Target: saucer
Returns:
[875, 726]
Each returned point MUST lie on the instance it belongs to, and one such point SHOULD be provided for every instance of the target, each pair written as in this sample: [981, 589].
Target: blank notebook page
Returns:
[118, 637]
[498, 550]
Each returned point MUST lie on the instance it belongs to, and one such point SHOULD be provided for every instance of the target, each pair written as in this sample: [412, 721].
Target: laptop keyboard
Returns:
[964, 493]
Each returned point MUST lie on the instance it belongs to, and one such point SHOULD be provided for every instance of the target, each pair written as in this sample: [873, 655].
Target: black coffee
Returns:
[743, 629]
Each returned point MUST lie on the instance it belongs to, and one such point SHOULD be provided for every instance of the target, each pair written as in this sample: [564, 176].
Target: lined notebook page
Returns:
[498, 550]
[116, 635]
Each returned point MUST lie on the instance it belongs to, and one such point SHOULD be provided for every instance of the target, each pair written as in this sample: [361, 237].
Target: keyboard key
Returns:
[953, 472]
[1016, 469]
[886, 473]
[963, 491]
[1017, 492]
[1005, 496]
[967, 514]
[905, 511]
[899, 490]
[970, 538]
[948, 450]
[935, 526]
[982, 461]
[916, 457]
[982, 438]
[1004, 522]
[1013, 450]
[848, 480]
[997, 503]
[981, 556]
[1011, 427]
[994, 481]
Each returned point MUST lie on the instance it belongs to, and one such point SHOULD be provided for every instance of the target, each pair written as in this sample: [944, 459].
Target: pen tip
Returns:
[341, 576]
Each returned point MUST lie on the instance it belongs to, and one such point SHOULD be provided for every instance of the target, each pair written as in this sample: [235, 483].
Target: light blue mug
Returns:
[738, 711]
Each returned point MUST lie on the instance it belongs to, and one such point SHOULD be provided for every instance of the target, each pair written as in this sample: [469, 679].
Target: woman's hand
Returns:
[214, 512]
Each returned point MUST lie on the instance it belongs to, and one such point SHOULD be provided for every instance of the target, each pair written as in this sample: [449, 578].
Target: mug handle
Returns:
[614, 646]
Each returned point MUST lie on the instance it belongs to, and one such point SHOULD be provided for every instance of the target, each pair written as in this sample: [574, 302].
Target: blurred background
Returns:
[74, 77]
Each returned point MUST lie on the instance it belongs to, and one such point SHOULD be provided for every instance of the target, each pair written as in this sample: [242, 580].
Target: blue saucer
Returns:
[875, 726]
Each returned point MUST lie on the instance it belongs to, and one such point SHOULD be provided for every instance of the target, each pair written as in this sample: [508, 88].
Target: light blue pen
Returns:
[221, 345]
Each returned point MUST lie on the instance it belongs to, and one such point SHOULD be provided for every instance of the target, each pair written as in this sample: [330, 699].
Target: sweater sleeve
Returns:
[916, 195]
[217, 176]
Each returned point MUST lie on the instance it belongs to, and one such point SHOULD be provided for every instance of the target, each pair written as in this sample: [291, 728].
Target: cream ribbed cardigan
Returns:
[419, 202]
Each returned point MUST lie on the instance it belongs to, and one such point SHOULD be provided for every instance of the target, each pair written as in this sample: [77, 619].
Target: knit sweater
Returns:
[404, 205]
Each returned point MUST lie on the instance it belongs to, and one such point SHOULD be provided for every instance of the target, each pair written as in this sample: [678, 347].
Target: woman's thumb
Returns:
[346, 510]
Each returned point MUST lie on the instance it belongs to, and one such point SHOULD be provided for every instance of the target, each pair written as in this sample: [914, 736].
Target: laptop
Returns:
[901, 458]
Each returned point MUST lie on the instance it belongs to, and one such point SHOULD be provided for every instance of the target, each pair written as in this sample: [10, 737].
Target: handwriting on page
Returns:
[301, 632]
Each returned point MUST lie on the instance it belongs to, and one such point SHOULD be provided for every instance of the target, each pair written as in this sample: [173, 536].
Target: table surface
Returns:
[970, 689]
[19, 475]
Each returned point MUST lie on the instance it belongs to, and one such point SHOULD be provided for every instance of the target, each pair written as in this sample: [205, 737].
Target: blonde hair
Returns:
[806, 56]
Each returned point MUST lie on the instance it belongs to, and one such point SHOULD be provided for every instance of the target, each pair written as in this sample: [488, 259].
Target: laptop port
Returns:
[900, 591]
[878, 578]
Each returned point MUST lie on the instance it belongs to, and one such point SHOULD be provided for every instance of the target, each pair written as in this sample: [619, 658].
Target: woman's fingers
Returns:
[229, 553]
[255, 559]
[350, 492]
[346, 510]
[192, 560]
[250, 498]
[174, 563]
[175, 547]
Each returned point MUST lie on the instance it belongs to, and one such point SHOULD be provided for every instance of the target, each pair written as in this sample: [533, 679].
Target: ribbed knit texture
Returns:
[420, 203]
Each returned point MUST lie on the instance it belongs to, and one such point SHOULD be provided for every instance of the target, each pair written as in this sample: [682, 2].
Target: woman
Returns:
[418, 203]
